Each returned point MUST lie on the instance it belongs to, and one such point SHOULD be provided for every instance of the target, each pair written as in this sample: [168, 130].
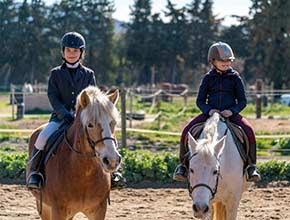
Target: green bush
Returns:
[11, 164]
[274, 170]
[143, 165]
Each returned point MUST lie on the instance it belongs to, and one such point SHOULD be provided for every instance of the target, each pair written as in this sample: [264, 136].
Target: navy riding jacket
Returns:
[64, 87]
[221, 91]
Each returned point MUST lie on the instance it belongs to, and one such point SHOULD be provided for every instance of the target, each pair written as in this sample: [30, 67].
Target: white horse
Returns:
[216, 181]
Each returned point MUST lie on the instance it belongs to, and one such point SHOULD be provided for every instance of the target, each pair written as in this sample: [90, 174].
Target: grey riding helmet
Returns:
[220, 51]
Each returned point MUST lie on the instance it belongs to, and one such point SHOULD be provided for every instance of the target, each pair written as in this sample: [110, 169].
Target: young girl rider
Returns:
[221, 91]
[65, 83]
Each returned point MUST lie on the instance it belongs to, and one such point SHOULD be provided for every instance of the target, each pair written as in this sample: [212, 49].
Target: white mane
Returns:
[209, 136]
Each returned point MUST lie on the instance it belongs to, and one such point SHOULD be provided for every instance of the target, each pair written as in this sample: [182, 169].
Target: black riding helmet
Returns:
[73, 40]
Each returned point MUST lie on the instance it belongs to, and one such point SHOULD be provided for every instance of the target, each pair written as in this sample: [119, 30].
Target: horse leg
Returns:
[219, 212]
[232, 210]
[99, 213]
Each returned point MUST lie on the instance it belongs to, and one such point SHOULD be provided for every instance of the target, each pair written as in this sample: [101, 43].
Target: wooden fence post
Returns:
[158, 110]
[12, 93]
[259, 84]
[185, 99]
[131, 109]
[123, 116]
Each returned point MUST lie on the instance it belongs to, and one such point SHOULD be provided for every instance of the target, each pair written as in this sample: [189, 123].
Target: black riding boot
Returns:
[252, 173]
[35, 177]
[180, 173]
[117, 180]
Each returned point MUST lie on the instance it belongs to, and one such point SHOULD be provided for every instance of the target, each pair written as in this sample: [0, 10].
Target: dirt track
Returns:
[270, 203]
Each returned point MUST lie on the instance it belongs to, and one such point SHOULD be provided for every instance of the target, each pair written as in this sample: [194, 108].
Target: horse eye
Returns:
[191, 170]
[90, 125]
[215, 172]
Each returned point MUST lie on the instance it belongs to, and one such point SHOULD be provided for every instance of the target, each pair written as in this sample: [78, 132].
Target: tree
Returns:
[7, 24]
[176, 40]
[138, 38]
[29, 43]
[238, 37]
[270, 41]
[99, 32]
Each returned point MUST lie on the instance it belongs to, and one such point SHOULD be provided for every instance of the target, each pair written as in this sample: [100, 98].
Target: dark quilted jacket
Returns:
[221, 91]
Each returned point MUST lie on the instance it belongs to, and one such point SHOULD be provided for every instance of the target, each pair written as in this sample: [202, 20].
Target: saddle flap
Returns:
[241, 135]
[53, 141]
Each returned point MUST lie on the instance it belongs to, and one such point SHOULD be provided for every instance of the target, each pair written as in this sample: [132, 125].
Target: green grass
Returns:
[271, 109]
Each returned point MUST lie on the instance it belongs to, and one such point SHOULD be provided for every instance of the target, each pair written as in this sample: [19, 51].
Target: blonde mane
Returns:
[100, 107]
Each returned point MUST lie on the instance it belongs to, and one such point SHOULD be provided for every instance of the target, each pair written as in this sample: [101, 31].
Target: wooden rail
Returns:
[146, 131]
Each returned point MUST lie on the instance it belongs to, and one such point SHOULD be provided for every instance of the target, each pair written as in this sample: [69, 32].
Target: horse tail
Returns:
[210, 127]
[219, 211]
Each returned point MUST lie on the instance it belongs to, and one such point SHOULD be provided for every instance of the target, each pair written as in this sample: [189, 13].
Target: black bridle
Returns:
[92, 144]
[212, 191]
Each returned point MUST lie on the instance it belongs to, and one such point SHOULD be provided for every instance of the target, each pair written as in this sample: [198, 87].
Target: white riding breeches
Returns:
[46, 132]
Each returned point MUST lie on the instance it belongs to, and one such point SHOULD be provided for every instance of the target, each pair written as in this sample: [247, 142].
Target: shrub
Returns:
[11, 164]
[143, 165]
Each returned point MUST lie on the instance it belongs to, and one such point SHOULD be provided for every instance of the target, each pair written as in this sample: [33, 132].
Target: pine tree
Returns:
[270, 42]
[177, 40]
[138, 38]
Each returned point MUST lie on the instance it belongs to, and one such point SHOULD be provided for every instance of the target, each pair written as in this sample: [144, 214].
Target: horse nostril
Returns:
[206, 209]
[106, 161]
[194, 208]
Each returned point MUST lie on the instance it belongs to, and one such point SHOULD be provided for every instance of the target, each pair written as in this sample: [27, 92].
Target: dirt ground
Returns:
[270, 203]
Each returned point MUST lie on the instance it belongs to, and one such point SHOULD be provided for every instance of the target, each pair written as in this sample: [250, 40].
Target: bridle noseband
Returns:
[212, 191]
[92, 144]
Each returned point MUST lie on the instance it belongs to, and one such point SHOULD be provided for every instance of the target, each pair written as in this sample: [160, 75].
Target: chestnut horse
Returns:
[78, 175]
[216, 180]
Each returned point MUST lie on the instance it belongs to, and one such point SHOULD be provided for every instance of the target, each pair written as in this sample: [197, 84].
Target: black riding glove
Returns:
[68, 118]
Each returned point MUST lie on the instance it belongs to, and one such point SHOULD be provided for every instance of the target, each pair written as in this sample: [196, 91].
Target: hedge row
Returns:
[144, 165]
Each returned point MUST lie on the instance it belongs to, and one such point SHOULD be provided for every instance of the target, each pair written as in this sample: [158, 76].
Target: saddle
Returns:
[54, 140]
[51, 147]
[237, 132]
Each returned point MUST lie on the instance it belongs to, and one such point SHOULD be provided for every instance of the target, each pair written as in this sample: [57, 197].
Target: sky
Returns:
[221, 8]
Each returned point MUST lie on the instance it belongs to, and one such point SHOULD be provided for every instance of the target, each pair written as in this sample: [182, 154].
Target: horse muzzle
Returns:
[111, 164]
[200, 210]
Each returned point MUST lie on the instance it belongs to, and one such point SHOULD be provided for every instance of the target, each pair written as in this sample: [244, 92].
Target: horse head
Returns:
[98, 116]
[204, 169]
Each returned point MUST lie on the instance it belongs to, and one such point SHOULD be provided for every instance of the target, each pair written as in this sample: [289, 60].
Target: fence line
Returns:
[136, 130]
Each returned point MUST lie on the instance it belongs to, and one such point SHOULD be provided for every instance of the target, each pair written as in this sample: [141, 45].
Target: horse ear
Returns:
[218, 148]
[114, 96]
[84, 99]
[192, 143]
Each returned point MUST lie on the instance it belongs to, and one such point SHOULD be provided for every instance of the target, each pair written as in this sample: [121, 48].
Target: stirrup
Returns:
[180, 176]
[255, 177]
[118, 181]
[38, 184]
